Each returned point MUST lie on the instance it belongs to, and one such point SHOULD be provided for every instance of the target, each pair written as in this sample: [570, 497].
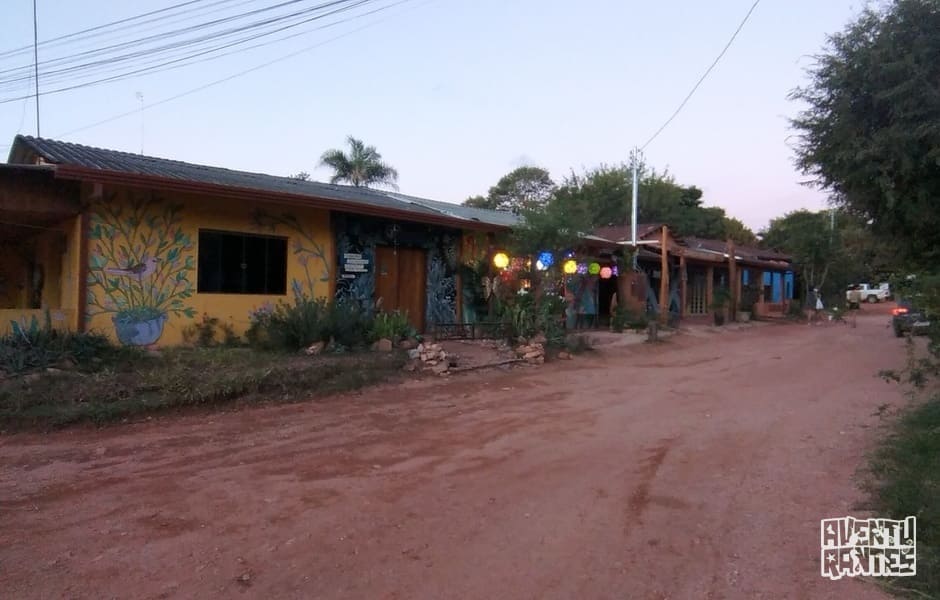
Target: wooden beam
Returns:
[734, 282]
[82, 303]
[683, 285]
[664, 278]
[459, 279]
[709, 287]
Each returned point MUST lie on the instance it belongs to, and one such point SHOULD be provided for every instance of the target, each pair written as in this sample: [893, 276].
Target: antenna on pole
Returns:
[36, 63]
[140, 98]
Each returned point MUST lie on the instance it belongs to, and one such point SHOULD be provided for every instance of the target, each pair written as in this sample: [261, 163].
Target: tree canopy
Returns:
[831, 249]
[602, 197]
[871, 132]
[523, 189]
[362, 167]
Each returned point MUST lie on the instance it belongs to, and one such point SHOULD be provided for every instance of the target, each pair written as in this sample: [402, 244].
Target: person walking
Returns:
[817, 306]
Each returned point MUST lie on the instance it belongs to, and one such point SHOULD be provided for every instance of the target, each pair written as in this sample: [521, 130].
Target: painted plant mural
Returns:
[310, 254]
[139, 267]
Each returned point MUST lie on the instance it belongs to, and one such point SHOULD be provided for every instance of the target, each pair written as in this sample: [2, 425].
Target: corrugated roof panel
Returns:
[67, 153]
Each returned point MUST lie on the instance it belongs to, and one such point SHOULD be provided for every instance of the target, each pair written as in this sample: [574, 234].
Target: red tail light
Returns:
[899, 311]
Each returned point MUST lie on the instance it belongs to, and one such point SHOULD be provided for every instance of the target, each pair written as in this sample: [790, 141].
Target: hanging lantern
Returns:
[544, 261]
[500, 260]
[615, 271]
[594, 269]
[606, 272]
[582, 268]
[570, 267]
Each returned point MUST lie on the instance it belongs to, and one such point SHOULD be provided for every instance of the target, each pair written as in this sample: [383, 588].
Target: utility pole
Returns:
[633, 206]
[36, 63]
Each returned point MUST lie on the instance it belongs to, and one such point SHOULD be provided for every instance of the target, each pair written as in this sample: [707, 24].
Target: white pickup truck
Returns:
[863, 292]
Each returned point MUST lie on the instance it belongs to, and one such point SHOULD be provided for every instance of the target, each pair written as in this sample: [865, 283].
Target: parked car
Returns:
[907, 317]
[863, 292]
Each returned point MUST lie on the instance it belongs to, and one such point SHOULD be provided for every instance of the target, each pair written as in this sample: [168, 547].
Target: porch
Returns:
[40, 249]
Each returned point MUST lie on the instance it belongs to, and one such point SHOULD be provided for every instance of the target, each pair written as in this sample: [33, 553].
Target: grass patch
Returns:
[180, 378]
[905, 480]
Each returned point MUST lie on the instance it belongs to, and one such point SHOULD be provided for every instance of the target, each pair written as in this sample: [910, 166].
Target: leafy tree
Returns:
[871, 132]
[362, 167]
[739, 232]
[480, 202]
[831, 248]
[807, 236]
[604, 193]
[523, 189]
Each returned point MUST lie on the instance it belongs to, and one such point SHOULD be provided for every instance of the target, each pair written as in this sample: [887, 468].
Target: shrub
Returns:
[203, 333]
[393, 326]
[289, 326]
[349, 324]
[35, 346]
[522, 316]
[307, 321]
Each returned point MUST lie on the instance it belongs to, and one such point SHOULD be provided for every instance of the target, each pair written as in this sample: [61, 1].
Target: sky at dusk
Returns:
[456, 93]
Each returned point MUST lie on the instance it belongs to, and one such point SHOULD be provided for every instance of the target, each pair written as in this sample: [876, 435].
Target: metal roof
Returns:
[26, 149]
[620, 233]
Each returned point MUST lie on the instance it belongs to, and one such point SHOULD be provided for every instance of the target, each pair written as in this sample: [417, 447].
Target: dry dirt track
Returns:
[698, 468]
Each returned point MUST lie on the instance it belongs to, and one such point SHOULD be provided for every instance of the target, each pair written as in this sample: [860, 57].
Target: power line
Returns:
[153, 68]
[24, 49]
[246, 71]
[707, 72]
[143, 42]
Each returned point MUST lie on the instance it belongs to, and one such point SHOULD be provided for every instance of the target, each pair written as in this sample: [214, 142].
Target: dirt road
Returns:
[697, 468]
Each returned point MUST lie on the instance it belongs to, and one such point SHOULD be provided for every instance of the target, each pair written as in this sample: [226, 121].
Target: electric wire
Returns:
[244, 72]
[704, 76]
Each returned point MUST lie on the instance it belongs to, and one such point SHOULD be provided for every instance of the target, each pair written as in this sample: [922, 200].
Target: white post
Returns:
[633, 208]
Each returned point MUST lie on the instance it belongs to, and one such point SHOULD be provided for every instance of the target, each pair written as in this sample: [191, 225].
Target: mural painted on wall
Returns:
[139, 266]
[359, 236]
[353, 239]
[309, 253]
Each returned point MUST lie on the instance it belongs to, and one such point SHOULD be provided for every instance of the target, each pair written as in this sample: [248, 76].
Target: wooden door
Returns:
[697, 301]
[386, 278]
[412, 282]
[400, 282]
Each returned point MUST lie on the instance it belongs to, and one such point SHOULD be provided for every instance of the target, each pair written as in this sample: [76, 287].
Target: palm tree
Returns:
[362, 167]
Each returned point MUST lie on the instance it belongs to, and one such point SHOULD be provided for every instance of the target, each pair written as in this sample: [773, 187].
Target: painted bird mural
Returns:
[140, 270]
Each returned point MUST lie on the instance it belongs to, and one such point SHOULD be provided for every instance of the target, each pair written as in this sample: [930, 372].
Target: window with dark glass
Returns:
[238, 263]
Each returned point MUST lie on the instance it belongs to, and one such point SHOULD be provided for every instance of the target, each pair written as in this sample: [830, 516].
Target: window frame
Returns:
[244, 236]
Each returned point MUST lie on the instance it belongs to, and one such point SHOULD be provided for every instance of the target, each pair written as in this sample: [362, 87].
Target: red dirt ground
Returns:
[696, 468]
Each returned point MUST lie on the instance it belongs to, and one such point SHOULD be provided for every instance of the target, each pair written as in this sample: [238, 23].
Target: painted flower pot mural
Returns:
[139, 327]
[139, 267]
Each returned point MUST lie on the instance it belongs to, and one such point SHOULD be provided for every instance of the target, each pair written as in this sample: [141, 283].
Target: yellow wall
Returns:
[143, 255]
[60, 319]
[54, 249]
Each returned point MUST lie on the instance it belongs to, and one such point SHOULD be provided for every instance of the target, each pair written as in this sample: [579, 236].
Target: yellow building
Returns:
[138, 247]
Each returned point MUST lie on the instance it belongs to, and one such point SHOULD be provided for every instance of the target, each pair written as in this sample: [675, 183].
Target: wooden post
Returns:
[490, 302]
[683, 285]
[709, 287]
[733, 282]
[664, 278]
[81, 319]
[459, 280]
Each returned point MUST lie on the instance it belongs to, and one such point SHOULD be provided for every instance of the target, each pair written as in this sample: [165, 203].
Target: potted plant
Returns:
[719, 306]
[749, 298]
